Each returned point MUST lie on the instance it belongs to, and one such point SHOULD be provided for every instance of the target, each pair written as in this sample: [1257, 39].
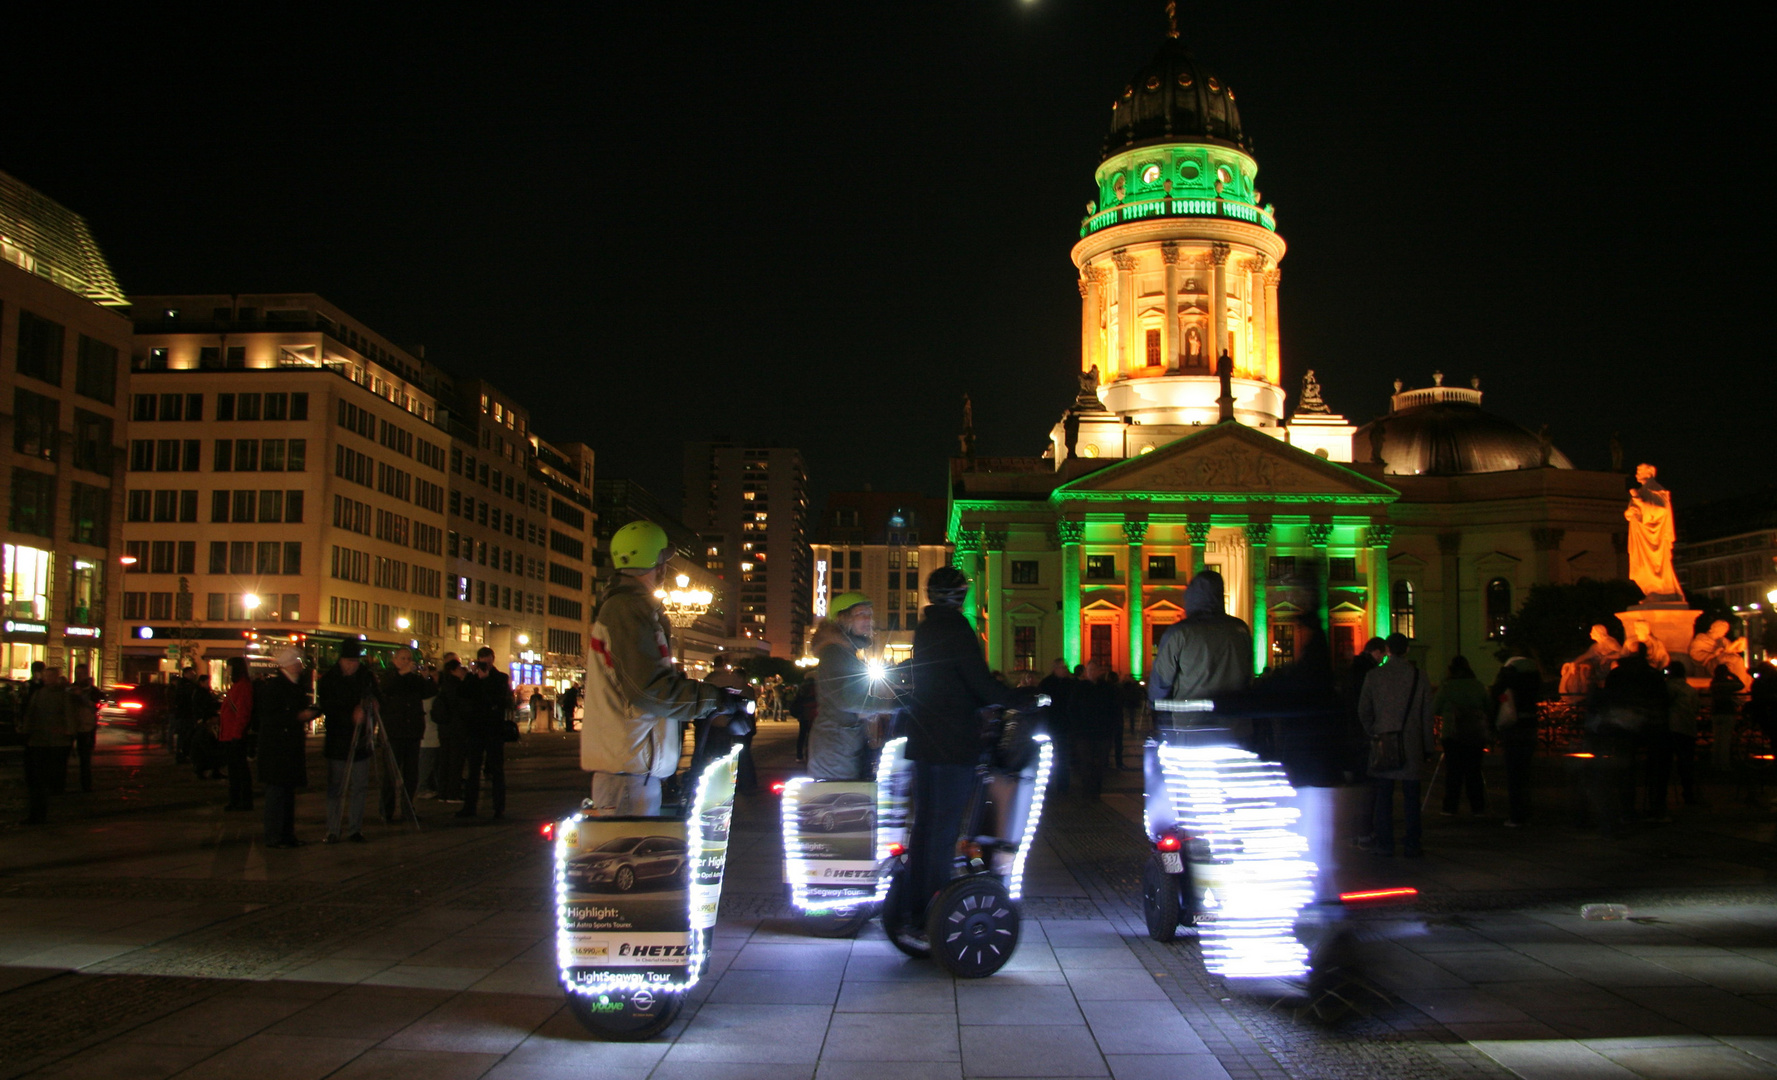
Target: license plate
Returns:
[1172, 862]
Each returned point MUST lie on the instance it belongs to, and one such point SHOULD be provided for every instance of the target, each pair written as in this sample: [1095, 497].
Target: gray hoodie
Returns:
[1208, 654]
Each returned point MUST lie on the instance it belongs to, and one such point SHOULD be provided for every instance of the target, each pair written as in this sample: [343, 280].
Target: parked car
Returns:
[143, 706]
[851, 811]
[627, 862]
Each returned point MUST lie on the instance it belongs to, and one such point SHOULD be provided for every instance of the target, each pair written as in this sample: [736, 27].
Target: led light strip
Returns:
[693, 843]
[1045, 757]
[796, 867]
[1228, 798]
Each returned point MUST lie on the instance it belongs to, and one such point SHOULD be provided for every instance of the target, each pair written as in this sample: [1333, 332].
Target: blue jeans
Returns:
[1384, 828]
[338, 789]
[940, 798]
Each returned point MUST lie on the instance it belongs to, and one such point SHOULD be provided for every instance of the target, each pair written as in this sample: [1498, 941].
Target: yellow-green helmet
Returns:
[844, 602]
[640, 545]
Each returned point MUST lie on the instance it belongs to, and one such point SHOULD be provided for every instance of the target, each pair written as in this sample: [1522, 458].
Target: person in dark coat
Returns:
[347, 695]
[86, 701]
[1095, 712]
[951, 685]
[1517, 694]
[487, 697]
[451, 715]
[1059, 685]
[806, 709]
[48, 731]
[1396, 702]
[404, 693]
[281, 712]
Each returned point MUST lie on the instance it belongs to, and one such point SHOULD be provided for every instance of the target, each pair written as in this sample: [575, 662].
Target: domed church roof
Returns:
[1443, 431]
[1173, 98]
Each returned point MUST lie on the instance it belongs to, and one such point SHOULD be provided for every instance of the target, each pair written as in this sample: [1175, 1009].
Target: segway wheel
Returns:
[628, 1016]
[840, 924]
[893, 917]
[1160, 900]
[973, 926]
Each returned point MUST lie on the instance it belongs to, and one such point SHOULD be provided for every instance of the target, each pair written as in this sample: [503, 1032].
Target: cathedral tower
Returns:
[1178, 255]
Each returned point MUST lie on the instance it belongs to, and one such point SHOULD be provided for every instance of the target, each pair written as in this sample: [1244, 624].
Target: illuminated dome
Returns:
[1173, 98]
[1443, 431]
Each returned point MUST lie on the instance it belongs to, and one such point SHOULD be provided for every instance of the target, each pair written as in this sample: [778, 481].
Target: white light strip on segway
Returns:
[797, 866]
[1226, 798]
[697, 956]
[885, 796]
[1045, 756]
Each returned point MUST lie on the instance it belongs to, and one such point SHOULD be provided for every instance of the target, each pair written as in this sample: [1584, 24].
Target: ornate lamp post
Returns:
[684, 605]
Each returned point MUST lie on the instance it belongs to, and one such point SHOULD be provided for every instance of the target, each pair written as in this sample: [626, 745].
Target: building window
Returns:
[1101, 567]
[33, 502]
[1024, 648]
[24, 576]
[92, 442]
[90, 507]
[1162, 568]
[40, 348]
[1283, 643]
[1024, 571]
[1283, 567]
[1402, 604]
[1342, 568]
[95, 370]
[1499, 607]
[1154, 348]
[35, 420]
[1100, 644]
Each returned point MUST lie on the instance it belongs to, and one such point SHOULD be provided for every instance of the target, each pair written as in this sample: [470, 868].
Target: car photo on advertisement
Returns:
[628, 863]
[714, 822]
[843, 811]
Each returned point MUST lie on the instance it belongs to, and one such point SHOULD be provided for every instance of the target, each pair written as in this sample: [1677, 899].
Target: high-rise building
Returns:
[882, 544]
[620, 502]
[750, 503]
[65, 381]
[287, 477]
[565, 474]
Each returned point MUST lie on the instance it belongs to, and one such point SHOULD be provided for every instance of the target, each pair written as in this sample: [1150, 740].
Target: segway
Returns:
[838, 835]
[972, 923]
[635, 900]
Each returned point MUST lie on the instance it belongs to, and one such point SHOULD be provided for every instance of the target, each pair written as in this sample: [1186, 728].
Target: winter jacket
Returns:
[1207, 655]
[338, 695]
[1095, 710]
[636, 702]
[1060, 689]
[1466, 711]
[404, 703]
[49, 718]
[85, 699]
[951, 684]
[448, 709]
[237, 711]
[1397, 697]
[487, 699]
[278, 703]
[836, 741]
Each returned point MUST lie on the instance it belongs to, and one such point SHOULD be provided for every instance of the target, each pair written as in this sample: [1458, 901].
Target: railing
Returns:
[1159, 208]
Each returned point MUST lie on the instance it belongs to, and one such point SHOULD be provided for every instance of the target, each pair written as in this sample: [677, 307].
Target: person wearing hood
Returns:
[1207, 655]
[1517, 692]
[838, 742]
[637, 702]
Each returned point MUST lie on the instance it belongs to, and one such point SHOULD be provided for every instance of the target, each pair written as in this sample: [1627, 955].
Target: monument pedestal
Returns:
[1672, 625]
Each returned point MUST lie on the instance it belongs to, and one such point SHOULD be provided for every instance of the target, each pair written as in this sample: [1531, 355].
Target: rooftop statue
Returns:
[1310, 401]
[1651, 533]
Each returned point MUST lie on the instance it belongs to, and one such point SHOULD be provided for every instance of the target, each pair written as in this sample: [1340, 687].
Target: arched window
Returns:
[1402, 605]
[1499, 607]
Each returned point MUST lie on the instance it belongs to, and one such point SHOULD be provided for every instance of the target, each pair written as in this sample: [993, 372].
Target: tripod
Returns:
[372, 728]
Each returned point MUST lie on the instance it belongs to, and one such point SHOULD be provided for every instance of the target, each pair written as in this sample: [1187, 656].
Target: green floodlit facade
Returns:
[1177, 180]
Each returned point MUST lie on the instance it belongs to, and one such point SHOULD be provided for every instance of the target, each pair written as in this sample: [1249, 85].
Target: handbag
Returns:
[1508, 711]
[1388, 750]
[508, 728]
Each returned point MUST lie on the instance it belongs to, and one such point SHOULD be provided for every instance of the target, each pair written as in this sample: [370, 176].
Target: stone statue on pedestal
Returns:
[1651, 534]
[1310, 401]
[1711, 649]
[1588, 670]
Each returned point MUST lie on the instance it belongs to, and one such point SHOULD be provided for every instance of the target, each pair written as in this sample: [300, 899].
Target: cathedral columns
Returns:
[1273, 355]
[993, 542]
[1092, 326]
[1070, 533]
[968, 541]
[1218, 304]
[1258, 534]
[1135, 532]
[1319, 534]
[1258, 356]
[1198, 531]
[1381, 590]
[1129, 350]
[1169, 345]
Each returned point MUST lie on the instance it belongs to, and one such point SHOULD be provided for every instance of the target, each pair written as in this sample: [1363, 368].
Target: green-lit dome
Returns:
[1173, 98]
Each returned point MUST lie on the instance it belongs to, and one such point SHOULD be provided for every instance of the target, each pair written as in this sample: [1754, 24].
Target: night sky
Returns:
[819, 225]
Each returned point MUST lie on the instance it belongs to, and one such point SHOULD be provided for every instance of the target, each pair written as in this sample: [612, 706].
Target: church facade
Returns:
[1177, 455]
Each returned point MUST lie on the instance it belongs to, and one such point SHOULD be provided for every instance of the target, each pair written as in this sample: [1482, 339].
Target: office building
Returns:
[882, 544]
[65, 378]
[751, 505]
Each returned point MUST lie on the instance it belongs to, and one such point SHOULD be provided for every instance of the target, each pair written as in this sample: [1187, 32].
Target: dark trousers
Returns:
[280, 813]
[1384, 831]
[746, 776]
[1061, 770]
[58, 769]
[83, 746]
[1462, 771]
[487, 751]
[406, 755]
[1684, 762]
[240, 777]
[1093, 751]
[1518, 754]
[453, 753]
[940, 798]
[803, 727]
[41, 763]
[1659, 772]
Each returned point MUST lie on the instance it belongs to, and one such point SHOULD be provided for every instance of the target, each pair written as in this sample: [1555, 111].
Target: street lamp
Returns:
[250, 603]
[401, 622]
[684, 605]
[524, 639]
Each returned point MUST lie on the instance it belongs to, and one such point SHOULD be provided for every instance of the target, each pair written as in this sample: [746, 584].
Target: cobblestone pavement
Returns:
[148, 934]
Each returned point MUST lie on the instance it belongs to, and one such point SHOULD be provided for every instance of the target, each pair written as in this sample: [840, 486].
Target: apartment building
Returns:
[883, 544]
[565, 475]
[286, 481]
[64, 379]
[751, 503]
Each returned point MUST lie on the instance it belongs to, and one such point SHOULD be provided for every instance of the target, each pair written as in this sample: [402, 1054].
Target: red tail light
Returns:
[895, 850]
[548, 830]
[1371, 896]
[1169, 842]
[129, 704]
[777, 787]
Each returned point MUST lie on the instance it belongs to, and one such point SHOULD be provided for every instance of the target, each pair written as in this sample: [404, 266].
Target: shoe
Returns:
[1446, 813]
[465, 813]
[356, 838]
[450, 802]
[911, 938]
[332, 838]
[1510, 824]
[294, 842]
[35, 821]
[427, 795]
